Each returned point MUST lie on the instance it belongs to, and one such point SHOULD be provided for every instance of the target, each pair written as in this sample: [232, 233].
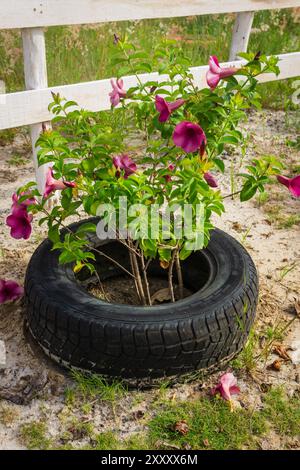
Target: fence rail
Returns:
[35, 13]
[30, 107]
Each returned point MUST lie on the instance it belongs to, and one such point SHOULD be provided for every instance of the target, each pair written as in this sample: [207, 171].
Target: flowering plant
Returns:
[184, 131]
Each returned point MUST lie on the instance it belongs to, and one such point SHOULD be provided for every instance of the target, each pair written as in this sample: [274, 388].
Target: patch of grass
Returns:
[7, 136]
[17, 160]
[34, 435]
[283, 412]
[211, 426]
[96, 386]
[290, 221]
[70, 396]
[106, 441]
[8, 415]
[138, 441]
[262, 198]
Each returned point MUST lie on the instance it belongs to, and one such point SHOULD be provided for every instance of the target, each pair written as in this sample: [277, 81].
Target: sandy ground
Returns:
[31, 387]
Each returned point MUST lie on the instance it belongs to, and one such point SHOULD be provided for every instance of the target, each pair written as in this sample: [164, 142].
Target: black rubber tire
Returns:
[202, 331]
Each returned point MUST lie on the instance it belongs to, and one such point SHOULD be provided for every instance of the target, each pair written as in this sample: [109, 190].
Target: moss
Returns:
[34, 435]
[282, 412]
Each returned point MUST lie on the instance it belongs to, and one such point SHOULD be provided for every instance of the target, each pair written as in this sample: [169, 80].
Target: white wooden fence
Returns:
[30, 107]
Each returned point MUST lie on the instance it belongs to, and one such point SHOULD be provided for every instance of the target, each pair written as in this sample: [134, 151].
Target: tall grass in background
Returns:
[82, 53]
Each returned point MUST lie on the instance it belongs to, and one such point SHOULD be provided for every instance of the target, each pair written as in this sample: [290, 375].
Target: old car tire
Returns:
[202, 331]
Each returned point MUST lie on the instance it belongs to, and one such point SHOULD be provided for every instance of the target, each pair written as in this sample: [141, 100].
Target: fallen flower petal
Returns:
[9, 290]
[215, 73]
[165, 108]
[117, 92]
[227, 386]
[189, 136]
[293, 184]
[53, 185]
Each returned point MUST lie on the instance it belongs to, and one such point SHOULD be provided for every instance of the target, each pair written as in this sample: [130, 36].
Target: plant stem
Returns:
[179, 275]
[134, 276]
[170, 276]
[146, 279]
[101, 286]
[136, 271]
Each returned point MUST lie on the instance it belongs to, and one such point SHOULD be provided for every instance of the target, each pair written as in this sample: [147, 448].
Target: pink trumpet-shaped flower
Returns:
[19, 220]
[117, 92]
[215, 73]
[53, 185]
[23, 204]
[293, 184]
[20, 223]
[165, 108]
[124, 162]
[9, 290]
[227, 386]
[210, 179]
[189, 136]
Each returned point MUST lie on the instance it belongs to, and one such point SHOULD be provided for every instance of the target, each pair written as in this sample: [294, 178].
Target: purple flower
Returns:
[19, 220]
[117, 91]
[9, 290]
[53, 185]
[211, 181]
[293, 184]
[165, 109]
[124, 162]
[20, 223]
[215, 73]
[189, 136]
[23, 204]
[227, 386]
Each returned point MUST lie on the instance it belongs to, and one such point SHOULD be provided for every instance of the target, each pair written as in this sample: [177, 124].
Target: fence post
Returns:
[35, 70]
[241, 33]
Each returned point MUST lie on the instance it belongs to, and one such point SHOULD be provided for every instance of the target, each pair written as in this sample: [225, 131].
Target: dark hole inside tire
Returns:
[197, 272]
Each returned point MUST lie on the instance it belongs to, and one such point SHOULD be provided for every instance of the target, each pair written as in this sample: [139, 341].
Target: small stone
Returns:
[2, 355]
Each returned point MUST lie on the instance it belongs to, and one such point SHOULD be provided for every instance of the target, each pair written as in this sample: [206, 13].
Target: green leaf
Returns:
[248, 191]
[87, 227]
[229, 139]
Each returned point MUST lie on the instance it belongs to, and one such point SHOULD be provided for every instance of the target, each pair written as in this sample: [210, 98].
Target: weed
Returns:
[247, 357]
[70, 396]
[96, 386]
[286, 269]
